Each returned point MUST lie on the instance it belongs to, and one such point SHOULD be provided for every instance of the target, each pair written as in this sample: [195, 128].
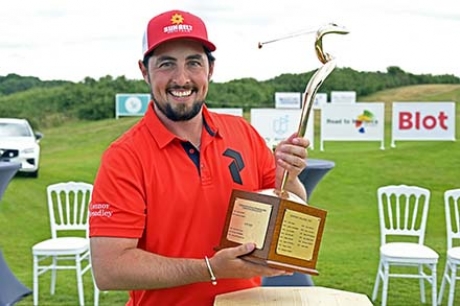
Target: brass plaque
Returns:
[287, 234]
[298, 235]
[249, 222]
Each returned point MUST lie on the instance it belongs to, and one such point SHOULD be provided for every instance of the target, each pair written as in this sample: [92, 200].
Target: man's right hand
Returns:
[227, 263]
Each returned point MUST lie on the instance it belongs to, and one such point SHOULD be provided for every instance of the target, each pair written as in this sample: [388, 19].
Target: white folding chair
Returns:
[403, 213]
[68, 213]
[452, 210]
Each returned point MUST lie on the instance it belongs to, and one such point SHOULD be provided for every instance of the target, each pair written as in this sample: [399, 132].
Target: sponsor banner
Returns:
[353, 122]
[276, 125]
[133, 104]
[423, 121]
[288, 100]
[343, 97]
[320, 99]
[229, 111]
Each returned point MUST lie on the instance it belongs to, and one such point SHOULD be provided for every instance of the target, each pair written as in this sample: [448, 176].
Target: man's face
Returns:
[178, 73]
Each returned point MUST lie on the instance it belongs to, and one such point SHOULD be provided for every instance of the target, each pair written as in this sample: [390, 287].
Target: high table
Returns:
[11, 289]
[310, 177]
[316, 169]
[7, 171]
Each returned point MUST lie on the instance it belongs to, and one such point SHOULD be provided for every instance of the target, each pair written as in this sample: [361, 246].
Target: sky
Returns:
[74, 39]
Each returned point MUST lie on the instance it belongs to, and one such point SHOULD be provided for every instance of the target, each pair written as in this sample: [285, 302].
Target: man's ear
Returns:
[144, 71]
[211, 70]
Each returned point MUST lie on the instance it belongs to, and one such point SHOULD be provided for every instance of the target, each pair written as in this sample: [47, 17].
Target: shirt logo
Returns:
[235, 166]
[177, 21]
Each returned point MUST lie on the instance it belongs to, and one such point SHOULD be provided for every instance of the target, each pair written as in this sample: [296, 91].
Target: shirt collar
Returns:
[163, 136]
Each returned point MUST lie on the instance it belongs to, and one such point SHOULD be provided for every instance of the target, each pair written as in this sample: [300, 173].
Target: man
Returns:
[161, 194]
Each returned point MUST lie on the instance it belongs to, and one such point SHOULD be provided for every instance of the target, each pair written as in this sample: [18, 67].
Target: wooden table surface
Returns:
[292, 296]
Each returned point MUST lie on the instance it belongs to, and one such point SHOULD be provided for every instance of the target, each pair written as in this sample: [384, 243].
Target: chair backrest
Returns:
[68, 206]
[452, 210]
[403, 211]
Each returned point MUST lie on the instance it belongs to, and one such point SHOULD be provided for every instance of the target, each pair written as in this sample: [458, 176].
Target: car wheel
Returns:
[34, 174]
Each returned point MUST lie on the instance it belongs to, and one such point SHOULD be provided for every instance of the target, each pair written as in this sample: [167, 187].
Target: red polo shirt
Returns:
[156, 187]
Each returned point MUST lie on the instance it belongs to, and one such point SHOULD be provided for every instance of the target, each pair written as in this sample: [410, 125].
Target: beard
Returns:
[180, 113]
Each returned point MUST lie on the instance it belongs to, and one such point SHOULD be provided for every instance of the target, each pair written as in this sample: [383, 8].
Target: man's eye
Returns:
[195, 63]
[165, 64]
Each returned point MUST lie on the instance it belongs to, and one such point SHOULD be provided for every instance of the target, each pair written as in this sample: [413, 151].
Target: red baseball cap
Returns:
[173, 25]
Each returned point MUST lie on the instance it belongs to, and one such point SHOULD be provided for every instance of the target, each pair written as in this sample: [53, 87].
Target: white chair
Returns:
[403, 213]
[68, 213]
[452, 210]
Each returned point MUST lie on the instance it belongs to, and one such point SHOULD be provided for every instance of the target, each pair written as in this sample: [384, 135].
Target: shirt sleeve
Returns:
[118, 206]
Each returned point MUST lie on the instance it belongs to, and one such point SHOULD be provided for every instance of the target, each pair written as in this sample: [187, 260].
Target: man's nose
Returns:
[181, 75]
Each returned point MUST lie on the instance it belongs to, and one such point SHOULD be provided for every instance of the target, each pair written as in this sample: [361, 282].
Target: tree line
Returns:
[52, 103]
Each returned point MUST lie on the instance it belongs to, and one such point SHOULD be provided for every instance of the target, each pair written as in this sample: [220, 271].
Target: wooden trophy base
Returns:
[287, 233]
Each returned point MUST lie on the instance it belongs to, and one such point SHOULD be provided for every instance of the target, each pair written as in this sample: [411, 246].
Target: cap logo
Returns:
[177, 25]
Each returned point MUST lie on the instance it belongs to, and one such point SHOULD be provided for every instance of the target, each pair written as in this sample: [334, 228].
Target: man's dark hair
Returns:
[209, 55]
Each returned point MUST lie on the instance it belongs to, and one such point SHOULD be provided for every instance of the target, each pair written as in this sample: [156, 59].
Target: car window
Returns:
[14, 130]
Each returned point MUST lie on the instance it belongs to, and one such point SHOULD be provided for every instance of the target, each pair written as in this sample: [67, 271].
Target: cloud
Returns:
[70, 39]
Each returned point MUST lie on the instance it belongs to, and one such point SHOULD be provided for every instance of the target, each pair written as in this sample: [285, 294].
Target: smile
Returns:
[181, 94]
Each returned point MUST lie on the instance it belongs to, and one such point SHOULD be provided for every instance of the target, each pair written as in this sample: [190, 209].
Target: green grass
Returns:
[349, 252]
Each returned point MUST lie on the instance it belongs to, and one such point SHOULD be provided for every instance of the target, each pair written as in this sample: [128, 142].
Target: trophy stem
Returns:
[315, 82]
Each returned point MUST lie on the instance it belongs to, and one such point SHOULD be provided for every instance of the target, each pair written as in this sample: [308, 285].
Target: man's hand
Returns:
[291, 155]
[227, 264]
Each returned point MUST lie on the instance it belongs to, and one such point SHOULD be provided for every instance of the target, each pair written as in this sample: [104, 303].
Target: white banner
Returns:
[320, 99]
[343, 97]
[229, 111]
[353, 122]
[423, 121]
[276, 125]
[288, 100]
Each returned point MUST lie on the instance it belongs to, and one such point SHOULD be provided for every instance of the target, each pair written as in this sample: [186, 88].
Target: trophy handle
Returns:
[315, 82]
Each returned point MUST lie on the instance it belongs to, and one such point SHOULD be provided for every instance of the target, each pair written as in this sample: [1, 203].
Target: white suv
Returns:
[19, 143]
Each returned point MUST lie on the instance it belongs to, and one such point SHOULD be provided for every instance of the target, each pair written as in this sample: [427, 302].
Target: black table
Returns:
[11, 289]
[316, 169]
[310, 177]
[7, 171]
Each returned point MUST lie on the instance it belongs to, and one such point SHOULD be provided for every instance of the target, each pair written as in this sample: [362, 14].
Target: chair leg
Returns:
[96, 295]
[377, 282]
[445, 276]
[53, 276]
[96, 289]
[453, 277]
[35, 280]
[78, 271]
[386, 276]
[434, 281]
[422, 284]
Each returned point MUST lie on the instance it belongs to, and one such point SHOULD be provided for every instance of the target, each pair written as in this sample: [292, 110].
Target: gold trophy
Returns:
[286, 230]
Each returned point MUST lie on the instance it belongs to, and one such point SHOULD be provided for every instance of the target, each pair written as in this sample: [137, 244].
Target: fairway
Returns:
[349, 252]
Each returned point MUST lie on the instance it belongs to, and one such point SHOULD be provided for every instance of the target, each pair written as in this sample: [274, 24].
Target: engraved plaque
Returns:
[287, 234]
[298, 235]
[249, 222]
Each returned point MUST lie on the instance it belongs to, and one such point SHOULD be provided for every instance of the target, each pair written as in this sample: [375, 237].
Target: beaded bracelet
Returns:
[211, 273]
